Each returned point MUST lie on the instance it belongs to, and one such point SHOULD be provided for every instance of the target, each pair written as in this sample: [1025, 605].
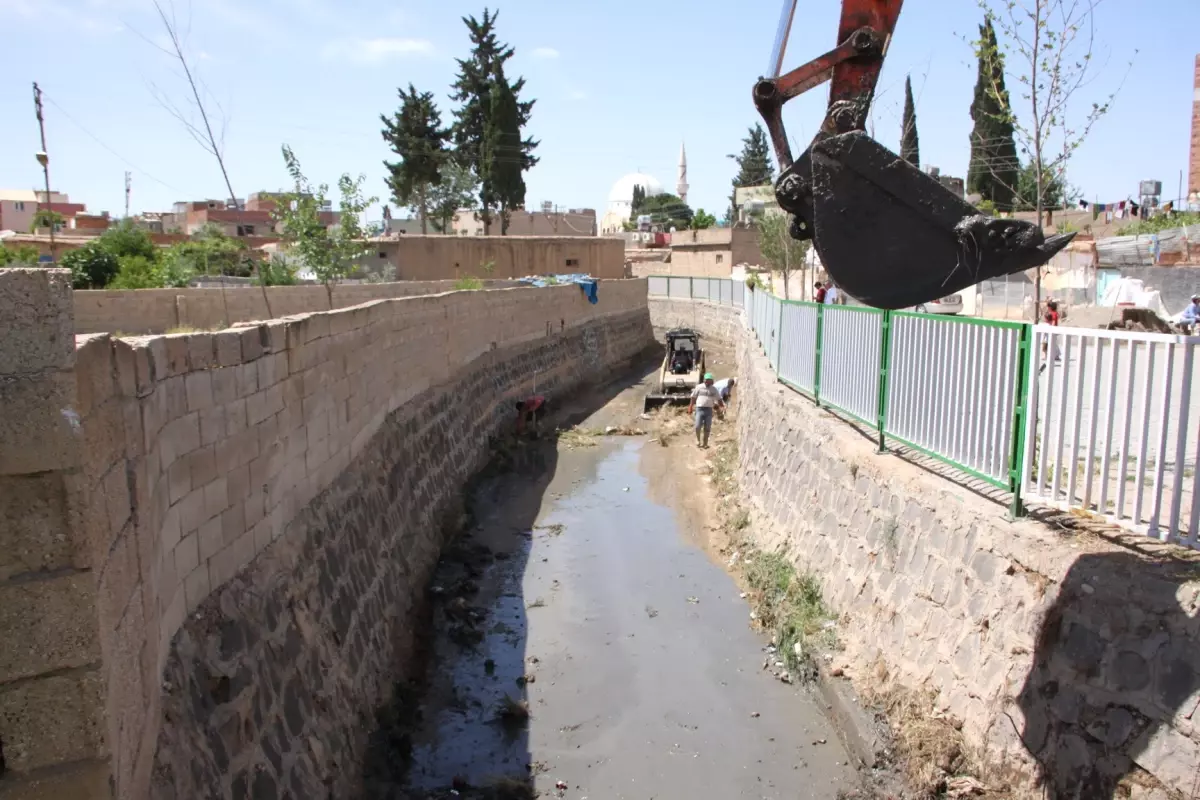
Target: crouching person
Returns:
[530, 412]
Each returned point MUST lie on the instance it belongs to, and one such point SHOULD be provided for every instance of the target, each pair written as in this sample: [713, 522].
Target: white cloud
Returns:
[375, 51]
[544, 53]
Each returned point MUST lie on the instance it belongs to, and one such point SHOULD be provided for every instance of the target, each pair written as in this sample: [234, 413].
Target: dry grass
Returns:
[573, 438]
[930, 747]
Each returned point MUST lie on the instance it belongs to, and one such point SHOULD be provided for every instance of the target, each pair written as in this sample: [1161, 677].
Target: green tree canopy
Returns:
[702, 219]
[782, 253]
[92, 265]
[472, 88]
[416, 135]
[501, 171]
[910, 148]
[667, 210]
[24, 255]
[992, 172]
[755, 165]
[455, 191]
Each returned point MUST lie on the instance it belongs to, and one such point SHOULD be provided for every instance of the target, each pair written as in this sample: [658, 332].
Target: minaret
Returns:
[681, 188]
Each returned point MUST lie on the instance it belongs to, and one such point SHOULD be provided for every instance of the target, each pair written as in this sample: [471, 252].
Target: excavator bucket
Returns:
[893, 237]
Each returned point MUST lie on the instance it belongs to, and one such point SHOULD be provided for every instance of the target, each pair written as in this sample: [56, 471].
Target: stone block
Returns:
[52, 720]
[84, 780]
[253, 342]
[199, 390]
[1168, 755]
[93, 373]
[211, 538]
[125, 367]
[225, 387]
[36, 526]
[119, 577]
[48, 624]
[203, 465]
[196, 586]
[37, 326]
[201, 351]
[228, 347]
[187, 553]
[40, 428]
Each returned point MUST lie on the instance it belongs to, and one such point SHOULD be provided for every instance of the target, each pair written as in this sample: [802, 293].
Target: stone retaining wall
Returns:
[139, 477]
[1064, 655]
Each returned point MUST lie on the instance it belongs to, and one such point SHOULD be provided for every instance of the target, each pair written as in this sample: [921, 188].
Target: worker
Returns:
[531, 409]
[819, 292]
[705, 397]
[1191, 315]
[725, 387]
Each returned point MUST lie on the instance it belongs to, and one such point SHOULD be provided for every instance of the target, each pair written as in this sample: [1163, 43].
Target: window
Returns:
[20, 204]
[382, 254]
[479, 231]
[572, 262]
[245, 230]
[720, 257]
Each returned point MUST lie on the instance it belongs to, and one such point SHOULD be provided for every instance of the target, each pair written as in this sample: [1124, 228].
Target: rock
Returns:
[837, 672]
[755, 714]
[798, 650]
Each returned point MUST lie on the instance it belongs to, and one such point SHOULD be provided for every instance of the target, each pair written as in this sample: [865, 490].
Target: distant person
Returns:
[1050, 317]
[832, 295]
[705, 398]
[819, 292]
[1191, 315]
[531, 409]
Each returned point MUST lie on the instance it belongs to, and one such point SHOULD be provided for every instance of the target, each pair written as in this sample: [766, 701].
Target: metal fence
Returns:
[717, 290]
[1096, 422]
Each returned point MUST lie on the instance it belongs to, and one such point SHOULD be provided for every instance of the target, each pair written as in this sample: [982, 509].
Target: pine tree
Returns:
[473, 89]
[993, 170]
[755, 167]
[639, 198]
[416, 135]
[503, 136]
[910, 148]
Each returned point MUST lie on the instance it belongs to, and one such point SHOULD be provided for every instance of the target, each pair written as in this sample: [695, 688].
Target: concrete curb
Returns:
[863, 736]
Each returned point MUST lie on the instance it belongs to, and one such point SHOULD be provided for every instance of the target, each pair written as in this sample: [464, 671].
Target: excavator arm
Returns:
[887, 233]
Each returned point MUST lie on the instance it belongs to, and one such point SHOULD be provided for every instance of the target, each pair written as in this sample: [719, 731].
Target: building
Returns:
[550, 221]
[750, 200]
[437, 257]
[620, 200]
[956, 185]
[18, 206]
[1194, 163]
[235, 218]
[713, 252]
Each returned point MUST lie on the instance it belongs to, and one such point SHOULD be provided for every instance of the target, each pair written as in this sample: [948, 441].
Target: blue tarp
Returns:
[586, 283]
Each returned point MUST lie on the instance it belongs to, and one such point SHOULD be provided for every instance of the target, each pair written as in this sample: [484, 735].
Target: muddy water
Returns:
[580, 595]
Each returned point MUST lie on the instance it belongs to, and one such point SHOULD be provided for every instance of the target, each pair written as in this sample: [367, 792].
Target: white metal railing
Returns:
[679, 288]
[850, 351]
[1115, 428]
[657, 285]
[953, 389]
[717, 290]
[797, 365]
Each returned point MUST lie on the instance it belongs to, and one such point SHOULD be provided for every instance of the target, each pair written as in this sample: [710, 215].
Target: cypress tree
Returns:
[910, 148]
[502, 140]
[994, 166]
[415, 133]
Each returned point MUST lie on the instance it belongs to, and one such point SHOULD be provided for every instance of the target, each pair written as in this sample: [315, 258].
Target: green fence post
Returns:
[779, 341]
[1021, 413]
[885, 360]
[817, 355]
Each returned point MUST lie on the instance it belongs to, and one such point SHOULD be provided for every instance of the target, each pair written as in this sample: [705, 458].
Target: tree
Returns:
[208, 252]
[1054, 193]
[501, 172]
[702, 220]
[455, 191]
[755, 167]
[92, 266]
[415, 133]
[910, 148]
[667, 210]
[473, 89]
[992, 172]
[639, 198]
[22, 255]
[1051, 44]
[330, 254]
[137, 272]
[125, 239]
[46, 218]
[781, 252]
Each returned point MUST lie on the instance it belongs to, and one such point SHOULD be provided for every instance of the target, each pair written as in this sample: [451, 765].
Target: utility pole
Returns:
[128, 186]
[44, 159]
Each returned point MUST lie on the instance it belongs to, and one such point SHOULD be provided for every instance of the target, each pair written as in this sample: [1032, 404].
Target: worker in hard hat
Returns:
[705, 398]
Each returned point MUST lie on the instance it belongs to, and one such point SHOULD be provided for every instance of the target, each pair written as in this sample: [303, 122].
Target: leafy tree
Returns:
[124, 239]
[501, 173]
[46, 218]
[701, 220]
[782, 253]
[1050, 43]
[209, 252]
[137, 272]
[473, 89]
[331, 255]
[668, 211]
[910, 148]
[92, 266]
[1054, 193]
[755, 165]
[992, 172]
[24, 255]
[455, 191]
[639, 198]
[415, 133]
[276, 271]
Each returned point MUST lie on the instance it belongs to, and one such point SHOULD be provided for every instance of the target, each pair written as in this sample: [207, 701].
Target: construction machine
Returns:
[681, 371]
[888, 234]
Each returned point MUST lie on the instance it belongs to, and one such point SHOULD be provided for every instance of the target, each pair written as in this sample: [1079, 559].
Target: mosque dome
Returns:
[622, 190]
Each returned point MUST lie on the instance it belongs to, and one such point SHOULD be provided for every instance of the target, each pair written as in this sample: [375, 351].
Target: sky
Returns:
[619, 85]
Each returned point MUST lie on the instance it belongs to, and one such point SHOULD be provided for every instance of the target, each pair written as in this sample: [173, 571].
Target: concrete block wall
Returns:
[53, 739]
[138, 476]
[1069, 659]
[159, 310]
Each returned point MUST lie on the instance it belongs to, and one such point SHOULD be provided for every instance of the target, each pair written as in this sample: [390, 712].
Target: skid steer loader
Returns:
[888, 234]
[681, 370]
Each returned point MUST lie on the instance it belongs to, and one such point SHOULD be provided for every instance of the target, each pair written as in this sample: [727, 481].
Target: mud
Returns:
[589, 643]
